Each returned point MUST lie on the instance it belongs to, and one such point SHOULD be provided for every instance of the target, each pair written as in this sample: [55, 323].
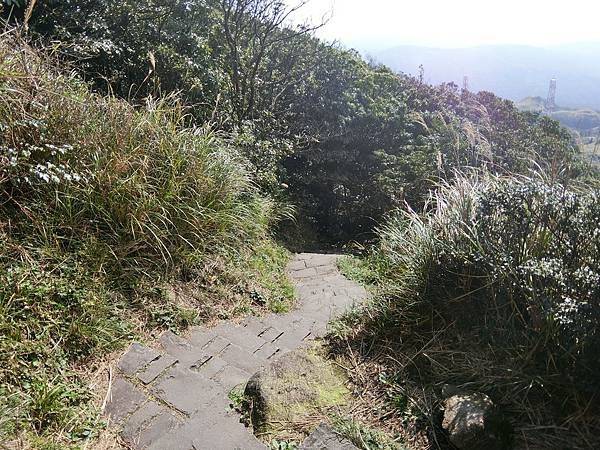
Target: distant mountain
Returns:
[510, 71]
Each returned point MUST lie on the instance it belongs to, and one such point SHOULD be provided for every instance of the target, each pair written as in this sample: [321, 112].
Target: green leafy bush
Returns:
[514, 254]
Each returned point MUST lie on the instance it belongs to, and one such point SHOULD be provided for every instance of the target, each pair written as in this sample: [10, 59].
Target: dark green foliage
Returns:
[351, 140]
[389, 138]
[137, 48]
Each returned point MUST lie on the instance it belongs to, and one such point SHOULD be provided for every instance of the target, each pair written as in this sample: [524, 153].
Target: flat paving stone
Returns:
[305, 273]
[175, 345]
[267, 351]
[147, 424]
[242, 338]
[297, 265]
[181, 400]
[136, 357]
[187, 391]
[124, 398]
[230, 377]
[211, 367]
[254, 325]
[271, 333]
[240, 358]
[156, 368]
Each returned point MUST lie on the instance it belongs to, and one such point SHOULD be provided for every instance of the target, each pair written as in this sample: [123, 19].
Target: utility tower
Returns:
[465, 83]
[551, 100]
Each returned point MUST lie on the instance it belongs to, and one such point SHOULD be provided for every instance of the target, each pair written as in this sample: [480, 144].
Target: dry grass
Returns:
[406, 401]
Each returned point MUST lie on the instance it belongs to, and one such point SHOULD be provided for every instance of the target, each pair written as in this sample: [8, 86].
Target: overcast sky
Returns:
[380, 24]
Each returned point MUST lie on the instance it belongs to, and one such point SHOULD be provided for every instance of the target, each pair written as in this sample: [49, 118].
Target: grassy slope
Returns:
[113, 221]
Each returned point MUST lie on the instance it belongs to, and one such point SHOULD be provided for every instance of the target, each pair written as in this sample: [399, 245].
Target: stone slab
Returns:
[325, 438]
[136, 357]
[242, 338]
[174, 345]
[124, 398]
[240, 358]
[156, 368]
[230, 377]
[305, 273]
[187, 391]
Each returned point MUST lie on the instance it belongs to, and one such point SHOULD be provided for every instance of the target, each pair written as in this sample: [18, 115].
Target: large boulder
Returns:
[471, 422]
[299, 385]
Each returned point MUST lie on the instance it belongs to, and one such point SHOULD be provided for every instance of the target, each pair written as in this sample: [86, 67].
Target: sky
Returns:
[381, 24]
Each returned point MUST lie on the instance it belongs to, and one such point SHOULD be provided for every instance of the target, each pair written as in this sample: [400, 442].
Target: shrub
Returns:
[528, 251]
[135, 181]
[495, 287]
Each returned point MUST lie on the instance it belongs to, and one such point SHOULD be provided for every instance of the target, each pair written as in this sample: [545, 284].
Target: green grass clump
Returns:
[365, 437]
[103, 207]
[358, 269]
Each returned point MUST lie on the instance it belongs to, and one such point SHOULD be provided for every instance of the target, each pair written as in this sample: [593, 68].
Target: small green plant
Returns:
[283, 445]
[237, 397]
[358, 269]
[365, 437]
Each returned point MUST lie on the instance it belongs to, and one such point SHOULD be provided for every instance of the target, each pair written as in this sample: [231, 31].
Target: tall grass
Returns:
[136, 180]
[101, 205]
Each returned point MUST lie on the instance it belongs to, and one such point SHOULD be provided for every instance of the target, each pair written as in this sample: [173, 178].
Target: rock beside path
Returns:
[470, 421]
[325, 438]
[292, 388]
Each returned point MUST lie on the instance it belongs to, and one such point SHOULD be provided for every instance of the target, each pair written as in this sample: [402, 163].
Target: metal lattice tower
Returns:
[551, 100]
[465, 83]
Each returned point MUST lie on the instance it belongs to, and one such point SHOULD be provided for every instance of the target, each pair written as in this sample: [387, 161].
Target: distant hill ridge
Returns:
[510, 71]
[584, 121]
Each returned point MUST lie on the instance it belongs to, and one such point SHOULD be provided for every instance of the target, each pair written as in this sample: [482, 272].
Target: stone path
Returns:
[176, 396]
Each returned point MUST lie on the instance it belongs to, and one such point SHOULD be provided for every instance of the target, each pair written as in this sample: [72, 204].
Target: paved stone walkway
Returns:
[176, 396]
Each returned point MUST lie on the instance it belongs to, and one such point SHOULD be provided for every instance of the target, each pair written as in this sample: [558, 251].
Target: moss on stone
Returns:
[294, 389]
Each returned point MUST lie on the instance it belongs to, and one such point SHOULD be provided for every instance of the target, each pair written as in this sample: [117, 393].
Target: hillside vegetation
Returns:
[104, 206]
[494, 289]
[350, 140]
[510, 71]
[584, 121]
[151, 151]
[584, 124]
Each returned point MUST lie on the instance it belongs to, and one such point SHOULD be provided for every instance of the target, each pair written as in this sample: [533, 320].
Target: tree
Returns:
[136, 48]
[255, 32]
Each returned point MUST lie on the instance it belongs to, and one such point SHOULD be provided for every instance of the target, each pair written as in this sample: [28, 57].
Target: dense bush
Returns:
[390, 138]
[518, 254]
[497, 284]
[134, 181]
